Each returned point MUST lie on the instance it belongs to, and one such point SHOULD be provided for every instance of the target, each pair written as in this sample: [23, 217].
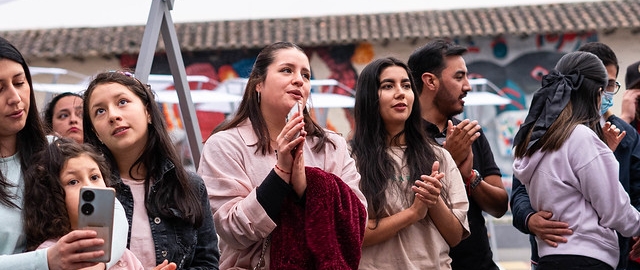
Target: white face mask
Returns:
[607, 102]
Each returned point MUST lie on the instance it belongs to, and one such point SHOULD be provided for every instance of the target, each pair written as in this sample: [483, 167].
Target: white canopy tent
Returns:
[484, 92]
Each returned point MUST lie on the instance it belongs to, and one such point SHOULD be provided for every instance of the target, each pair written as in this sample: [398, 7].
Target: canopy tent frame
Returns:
[161, 22]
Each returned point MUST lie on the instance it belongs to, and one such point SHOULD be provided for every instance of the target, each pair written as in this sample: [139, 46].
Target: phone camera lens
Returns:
[87, 209]
[88, 195]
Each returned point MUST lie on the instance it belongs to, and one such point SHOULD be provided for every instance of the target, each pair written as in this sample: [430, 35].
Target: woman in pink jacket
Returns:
[284, 194]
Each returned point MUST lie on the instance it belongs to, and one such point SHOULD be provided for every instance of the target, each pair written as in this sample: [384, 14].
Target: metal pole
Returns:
[160, 20]
[187, 109]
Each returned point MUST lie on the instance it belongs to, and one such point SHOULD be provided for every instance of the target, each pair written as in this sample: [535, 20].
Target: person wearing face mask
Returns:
[625, 144]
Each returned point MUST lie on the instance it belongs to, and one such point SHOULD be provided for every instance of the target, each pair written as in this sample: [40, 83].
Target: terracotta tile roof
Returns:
[605, 16]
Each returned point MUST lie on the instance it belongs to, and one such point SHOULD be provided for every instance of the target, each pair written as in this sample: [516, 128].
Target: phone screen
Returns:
[295, 108]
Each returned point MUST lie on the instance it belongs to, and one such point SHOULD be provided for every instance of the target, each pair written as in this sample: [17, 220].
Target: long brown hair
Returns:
[175, 190]
[369, 143]
[250, 105]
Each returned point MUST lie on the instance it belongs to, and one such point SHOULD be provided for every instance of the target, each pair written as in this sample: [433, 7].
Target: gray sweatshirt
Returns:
[579, 184]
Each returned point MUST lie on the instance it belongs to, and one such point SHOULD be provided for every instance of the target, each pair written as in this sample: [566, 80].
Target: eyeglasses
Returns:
[613, 87]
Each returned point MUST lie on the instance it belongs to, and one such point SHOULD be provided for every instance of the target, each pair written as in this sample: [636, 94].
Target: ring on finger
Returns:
[286, 138]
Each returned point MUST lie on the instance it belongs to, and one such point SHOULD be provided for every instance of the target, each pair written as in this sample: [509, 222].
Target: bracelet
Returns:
[279, 169]
[476, 181]
[467, 182]
[471, 177]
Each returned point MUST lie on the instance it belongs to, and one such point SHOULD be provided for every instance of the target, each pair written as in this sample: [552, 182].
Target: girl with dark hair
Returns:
[22, 135]
[273, 210]
[563, 160]
[166, 206]
[56, 175]
[63, 116]
[416, 197]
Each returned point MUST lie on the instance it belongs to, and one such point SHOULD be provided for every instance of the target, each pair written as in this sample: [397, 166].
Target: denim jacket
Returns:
[174, 239]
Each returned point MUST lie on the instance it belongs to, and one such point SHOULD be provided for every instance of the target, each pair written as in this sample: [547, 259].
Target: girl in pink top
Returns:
[61, 170]
[254, 164]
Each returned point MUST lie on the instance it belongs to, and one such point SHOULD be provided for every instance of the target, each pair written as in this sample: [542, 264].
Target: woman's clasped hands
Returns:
[427, 190]
[290, 167]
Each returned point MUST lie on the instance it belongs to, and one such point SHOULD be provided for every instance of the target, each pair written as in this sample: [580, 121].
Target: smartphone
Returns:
[95, 212]
[296, 108]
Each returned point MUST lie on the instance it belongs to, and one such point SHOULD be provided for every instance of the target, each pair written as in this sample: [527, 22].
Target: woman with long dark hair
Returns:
[416, 197]
[22, 136]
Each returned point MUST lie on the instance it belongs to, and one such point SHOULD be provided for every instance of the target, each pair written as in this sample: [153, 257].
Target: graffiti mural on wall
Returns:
[218, 66]
[223, 65]
[515, 65]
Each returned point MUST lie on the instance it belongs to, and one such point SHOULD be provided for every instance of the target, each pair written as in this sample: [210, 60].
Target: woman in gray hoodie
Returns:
[563, 160]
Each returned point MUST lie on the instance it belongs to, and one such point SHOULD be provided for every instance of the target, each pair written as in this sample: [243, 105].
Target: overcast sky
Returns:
[33, 14]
